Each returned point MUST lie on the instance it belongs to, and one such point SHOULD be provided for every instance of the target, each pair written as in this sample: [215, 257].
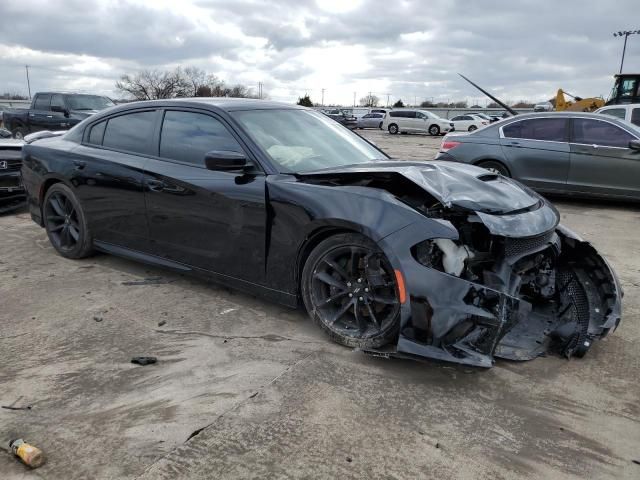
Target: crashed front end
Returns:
[488, 270]
[511, 283]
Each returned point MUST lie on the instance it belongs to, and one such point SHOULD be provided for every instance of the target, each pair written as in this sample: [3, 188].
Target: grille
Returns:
[12, 165]
[518, 246]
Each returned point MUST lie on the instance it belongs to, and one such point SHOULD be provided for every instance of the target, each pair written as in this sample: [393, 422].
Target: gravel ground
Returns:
[246, 389]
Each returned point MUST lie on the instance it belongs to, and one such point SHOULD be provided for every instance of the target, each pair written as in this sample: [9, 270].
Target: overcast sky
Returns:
[408, 49]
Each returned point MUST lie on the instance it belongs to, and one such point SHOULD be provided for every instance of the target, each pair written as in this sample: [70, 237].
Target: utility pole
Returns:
[388, 99]
[322, 102]
[26, 67]
[625, 34]
[354, 99]
[415, 101]
[370, 100]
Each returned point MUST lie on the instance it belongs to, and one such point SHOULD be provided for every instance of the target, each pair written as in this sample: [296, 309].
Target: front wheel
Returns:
[349, 289]
[393, 129]
[65, 223]
[19, 133]
[472, 128]
[434, 130]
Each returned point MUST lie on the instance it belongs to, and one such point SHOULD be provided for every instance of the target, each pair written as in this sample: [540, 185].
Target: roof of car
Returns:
[224, 103]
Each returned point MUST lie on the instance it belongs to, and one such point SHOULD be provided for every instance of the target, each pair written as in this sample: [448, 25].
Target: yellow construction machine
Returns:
[578, 104]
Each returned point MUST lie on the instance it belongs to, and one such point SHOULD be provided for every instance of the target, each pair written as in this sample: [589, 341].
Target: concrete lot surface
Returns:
[263, 394]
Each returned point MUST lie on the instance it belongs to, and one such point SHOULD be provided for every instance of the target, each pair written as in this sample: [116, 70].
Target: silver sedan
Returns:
[371, 120]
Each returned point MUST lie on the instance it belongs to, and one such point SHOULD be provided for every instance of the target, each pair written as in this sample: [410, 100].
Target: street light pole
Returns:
[626, 34]
[26, 67]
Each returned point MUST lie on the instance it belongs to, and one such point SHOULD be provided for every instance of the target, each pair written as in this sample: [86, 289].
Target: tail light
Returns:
[485, 123]
[448, 145]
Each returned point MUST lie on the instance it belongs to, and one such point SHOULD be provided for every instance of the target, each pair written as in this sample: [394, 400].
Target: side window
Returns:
[130, 132]
[97, 132]
[615, 112]
[187, 136]
[410, 114]
[420, 115]
[596, 132]
[635, 116]
[57, 101]
[368, 115]
[42, 102]
[548, 129]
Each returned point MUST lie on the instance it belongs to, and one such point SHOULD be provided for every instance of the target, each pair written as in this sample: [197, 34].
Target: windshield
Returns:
[88, 102]
[304, 140]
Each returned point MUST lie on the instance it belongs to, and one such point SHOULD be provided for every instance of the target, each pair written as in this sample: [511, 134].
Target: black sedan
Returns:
[569, 153]
[416, 259]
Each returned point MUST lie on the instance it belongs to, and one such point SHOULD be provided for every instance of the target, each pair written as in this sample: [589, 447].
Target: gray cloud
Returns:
[520, 49]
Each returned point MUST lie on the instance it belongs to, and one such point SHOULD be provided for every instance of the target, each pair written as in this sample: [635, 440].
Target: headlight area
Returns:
[483, 295]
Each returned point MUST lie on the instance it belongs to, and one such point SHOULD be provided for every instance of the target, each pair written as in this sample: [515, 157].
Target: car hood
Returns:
[453, 184]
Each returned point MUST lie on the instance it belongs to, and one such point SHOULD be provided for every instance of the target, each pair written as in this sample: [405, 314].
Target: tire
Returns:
[393, 129]
[380, 126]
[495, 167]
[356, 306]
[65, 223]
[472, 128]
[19, 133]
[434, 130]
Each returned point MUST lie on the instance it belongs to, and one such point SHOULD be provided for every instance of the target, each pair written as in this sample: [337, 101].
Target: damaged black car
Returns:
[413, 259]
[12, 194]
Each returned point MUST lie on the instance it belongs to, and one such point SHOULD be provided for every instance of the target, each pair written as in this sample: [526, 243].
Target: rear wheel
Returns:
[393, 129]
[495, 167]
[472, 128]
[434, 130]
[349, 290]
[65, 223]
[380, 126]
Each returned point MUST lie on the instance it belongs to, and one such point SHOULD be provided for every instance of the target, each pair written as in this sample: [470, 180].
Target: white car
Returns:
[416, 121]
[469, 122]
[629, 112]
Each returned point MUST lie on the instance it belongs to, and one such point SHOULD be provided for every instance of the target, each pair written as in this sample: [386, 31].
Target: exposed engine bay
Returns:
[509, 281]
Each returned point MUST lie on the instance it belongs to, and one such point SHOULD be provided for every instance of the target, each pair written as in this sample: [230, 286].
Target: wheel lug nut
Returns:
[361, 299]
[366, 289]
[350, 295]
[348, 284]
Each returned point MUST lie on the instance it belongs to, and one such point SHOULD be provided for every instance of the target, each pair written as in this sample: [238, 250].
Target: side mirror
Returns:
[225, 160]
[634, 144]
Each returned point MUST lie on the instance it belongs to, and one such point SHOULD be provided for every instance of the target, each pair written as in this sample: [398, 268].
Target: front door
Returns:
[601, 160]
[538, 151]
[213, 220]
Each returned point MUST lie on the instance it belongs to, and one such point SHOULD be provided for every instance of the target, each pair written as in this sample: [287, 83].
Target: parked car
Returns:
[12, 194]
[543, 107]
[469, 122]
[416, 121]
[489, 118]
[563, 152]
[343, 118]
[416, 259]
[53, 111]
[371, 120]
[629, 112]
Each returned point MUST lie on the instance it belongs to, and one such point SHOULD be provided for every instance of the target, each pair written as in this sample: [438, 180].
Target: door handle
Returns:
[156, 185]
[515, 144]
[49, 116]
[79, 164]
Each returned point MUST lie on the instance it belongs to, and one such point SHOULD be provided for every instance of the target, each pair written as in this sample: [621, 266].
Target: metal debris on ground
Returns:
[144, 360]
[30, 455]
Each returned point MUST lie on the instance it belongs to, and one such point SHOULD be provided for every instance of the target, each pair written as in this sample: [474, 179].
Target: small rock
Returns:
[437, 444]
[420, 432]
[98, 319]
[349, 459]
[162, 322]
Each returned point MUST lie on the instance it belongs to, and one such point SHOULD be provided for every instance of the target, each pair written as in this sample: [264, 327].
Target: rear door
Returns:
[108, 174]
[538, 151]
[213, 220]
[40, 115]
[601, 161]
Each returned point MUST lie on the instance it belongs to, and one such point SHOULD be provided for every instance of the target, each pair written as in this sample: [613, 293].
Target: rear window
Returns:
[548, 129]
[635, 116]
[615, 112]
[130, 132]
[597, 132]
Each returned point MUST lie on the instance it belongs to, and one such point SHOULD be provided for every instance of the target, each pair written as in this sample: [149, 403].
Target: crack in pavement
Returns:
[270, 337]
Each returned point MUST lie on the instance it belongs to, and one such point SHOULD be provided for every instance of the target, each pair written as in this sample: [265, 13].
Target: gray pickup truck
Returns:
[53, 111]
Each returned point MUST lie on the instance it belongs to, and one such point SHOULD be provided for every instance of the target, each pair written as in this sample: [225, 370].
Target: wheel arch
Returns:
[479, 162]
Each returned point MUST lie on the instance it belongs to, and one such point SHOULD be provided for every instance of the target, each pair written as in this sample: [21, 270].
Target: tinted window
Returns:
[635, 116]
[97, 132]
[549, 129]
[615, 112]
[187, 136]
[57, 101]
[42, 102]
[368, 115]
[596, 132]
[420, 115]
[394, 114]
[455, 119]
[130, 132]
[377, 115]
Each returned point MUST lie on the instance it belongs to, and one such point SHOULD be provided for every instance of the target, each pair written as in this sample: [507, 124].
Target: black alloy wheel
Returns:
[65, 223]
[349, 289]
[472, 128]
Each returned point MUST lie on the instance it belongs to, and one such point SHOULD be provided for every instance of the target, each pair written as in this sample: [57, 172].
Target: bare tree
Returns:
[369, 101]
[153, 84]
